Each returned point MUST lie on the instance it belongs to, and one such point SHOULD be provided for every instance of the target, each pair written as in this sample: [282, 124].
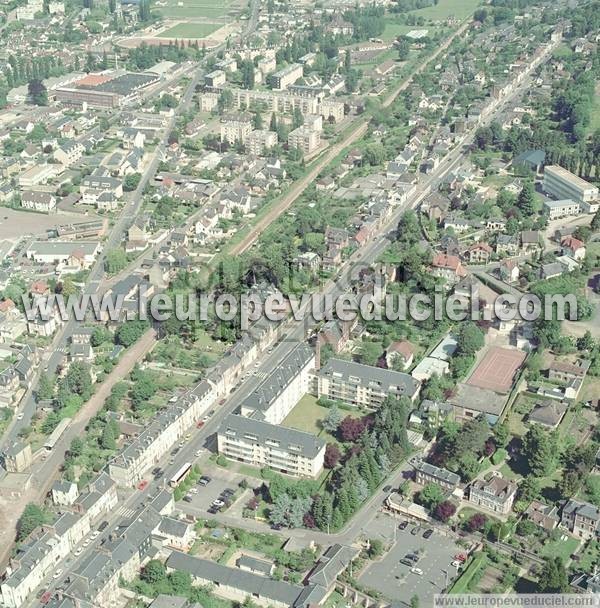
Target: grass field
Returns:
[595, 115]
[190, 30]
[448, 8]
[194, 8]
[306, 416]
[560, 548]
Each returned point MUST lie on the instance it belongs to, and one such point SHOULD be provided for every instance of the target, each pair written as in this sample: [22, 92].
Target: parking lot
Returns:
[395, 580]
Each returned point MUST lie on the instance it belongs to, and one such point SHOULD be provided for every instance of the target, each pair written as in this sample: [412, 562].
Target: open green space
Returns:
[447, 8]
[190, 30]
[560, 548]
[471, 574]
[193, 8]
[306, 416]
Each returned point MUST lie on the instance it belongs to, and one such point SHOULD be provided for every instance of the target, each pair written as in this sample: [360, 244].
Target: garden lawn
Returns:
[560, 548]
[306, 416]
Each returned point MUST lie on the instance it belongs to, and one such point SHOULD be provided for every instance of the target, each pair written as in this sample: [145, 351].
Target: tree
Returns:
[131, 182]
[116, 260]
[595, 225]
[130, 332]
[351, 428]
[332, 455]
[553, 576]
[332, 421]
[540, 447]
[470, 339]
[144, 10]
[76, 447]
[107, 441]
[476, 522]
[154, 572]
[414, 601]
[526, 199]
[37, 92]
[445, 510]
[375, 548]
[46, 386]
[431, 496]
[501, 434]
[32, 517]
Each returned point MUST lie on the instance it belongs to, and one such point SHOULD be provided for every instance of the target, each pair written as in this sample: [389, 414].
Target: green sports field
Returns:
[190, 30]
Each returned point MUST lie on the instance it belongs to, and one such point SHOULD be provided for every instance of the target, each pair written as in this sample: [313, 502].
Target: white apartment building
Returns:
[150, 446]
[363, 385]
[261, 140]
[562, 208]
[39, 174]
[563, 184]
[330, 108]
[305, 139]
[38, 201]
[283, 103]
[284, 78]
[274, 398]
[263, 444]
[236, 128]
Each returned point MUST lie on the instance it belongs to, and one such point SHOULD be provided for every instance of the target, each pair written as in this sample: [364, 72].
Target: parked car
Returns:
[403, 525]
[415, 530]
[187, 498]
[417, 571]
[204, 480]
[427, 533]
[387, 489]
[103, 526]
[57, 573]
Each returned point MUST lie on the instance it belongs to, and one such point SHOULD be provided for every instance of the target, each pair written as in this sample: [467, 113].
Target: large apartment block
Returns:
[284, 78]
[363, 385]
[274, 398]
[236, 128]
[304, 139]
[267, 445]
[149, 447]
[563, 184]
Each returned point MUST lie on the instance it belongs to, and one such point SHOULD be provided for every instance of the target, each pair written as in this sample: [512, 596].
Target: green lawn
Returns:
[560, 548]
[463, 583]
[595, 115]
[306, 416]
[460, 9]
[190, 30]
[176, 9]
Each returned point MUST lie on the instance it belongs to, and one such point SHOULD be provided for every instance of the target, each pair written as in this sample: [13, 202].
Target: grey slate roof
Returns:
[289, 439]
[274, 384]
[278, 591]
[367, 375]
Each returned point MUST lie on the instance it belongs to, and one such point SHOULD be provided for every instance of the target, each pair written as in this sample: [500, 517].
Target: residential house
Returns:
[496, 494]
[448, 267]
[479, 253]
[400, 355]
[580, 518]
[428, 473]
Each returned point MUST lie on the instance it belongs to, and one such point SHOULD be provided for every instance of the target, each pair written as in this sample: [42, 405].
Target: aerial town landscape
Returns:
[300, 154]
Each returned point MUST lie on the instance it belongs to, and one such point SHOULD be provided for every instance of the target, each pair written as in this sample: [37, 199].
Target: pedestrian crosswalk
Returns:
[261, 375]
[125, 512]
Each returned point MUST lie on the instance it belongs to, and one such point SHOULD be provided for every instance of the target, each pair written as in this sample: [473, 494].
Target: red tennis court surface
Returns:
[497, 369]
